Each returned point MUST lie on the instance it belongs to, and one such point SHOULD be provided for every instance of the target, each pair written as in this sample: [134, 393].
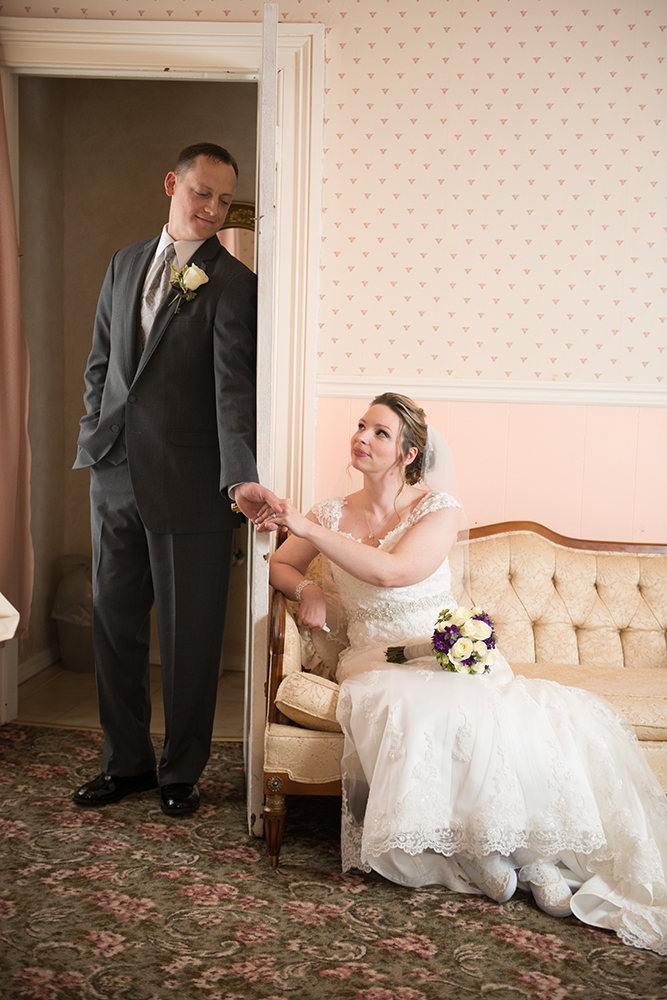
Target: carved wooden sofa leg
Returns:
[274, 825]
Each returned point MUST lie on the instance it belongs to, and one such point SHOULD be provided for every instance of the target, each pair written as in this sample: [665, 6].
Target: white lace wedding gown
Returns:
[437, 763]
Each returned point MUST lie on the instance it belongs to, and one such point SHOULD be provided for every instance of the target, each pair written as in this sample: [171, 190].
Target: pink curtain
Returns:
[16, 553]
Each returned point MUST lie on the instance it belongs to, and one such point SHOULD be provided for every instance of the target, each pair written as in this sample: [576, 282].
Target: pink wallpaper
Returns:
[495, 180]
[495, 183]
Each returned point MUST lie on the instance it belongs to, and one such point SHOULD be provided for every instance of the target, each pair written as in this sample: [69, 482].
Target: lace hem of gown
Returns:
[561, 777]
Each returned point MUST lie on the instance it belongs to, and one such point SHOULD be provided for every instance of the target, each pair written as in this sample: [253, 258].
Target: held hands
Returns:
[266, 510]
[282, 514]
[257, 503]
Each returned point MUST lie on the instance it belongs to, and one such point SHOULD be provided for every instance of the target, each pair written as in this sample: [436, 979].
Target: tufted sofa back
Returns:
[556, 602]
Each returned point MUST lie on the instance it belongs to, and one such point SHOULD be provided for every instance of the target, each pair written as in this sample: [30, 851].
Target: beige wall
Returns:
[93, 157]
[41, 246]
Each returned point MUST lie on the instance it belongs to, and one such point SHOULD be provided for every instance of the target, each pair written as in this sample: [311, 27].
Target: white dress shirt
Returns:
[184, 250]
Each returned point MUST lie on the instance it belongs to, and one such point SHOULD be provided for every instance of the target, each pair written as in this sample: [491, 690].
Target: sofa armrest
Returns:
[276, 654]
[284, 653]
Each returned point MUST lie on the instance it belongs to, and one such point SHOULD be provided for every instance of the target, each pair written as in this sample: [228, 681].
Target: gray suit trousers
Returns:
[187, 577]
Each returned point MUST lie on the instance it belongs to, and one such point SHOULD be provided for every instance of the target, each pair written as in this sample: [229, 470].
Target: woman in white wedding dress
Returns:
[475, 782]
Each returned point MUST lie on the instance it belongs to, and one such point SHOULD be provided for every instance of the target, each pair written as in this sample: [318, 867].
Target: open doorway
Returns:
[93, 155]
[287, 358]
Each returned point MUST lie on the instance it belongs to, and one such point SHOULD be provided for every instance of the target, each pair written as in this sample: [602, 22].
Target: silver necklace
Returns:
[371, 534]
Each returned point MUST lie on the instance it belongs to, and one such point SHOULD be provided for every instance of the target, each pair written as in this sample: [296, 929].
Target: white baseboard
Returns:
[37, 663]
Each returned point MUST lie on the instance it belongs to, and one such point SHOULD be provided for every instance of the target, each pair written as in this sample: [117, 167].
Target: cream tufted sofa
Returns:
[587, 614]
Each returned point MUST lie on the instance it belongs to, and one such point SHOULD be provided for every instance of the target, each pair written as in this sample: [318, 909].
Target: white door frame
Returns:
[189, 50]
[259, 545]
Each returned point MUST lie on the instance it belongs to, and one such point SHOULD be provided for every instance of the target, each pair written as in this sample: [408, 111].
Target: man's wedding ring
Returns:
[236, 508]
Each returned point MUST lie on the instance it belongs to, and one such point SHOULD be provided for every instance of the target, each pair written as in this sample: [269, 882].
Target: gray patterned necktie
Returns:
[157, 291]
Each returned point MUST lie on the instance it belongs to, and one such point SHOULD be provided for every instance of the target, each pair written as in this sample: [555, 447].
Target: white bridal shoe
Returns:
[550, 890]
[492, 873]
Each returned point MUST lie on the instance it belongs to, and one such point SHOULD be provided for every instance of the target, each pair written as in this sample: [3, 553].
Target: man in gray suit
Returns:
[169, 429]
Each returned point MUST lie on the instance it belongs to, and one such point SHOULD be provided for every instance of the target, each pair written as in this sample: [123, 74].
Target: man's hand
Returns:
[257, 503]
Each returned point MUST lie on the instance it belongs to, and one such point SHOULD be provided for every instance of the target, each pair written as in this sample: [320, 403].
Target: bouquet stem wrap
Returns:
[417, 649]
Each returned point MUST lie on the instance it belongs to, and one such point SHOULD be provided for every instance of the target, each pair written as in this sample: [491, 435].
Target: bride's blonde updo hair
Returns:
[414, 431]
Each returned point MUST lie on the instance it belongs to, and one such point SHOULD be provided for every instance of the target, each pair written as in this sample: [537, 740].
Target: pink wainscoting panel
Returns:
[332, 438]
[650, 511]
[585, 471]
[438, 413]
[478, 437]
[610, 469]
[545, 465]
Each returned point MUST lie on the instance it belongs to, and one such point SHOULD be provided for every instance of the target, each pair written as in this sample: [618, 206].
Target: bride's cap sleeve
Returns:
[431, 502]
[328, 512]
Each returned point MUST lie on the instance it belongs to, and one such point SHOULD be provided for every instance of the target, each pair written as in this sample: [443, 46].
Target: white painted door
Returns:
[259, 545]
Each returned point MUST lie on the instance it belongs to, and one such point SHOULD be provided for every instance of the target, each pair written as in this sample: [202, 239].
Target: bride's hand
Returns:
[313, 609]
[286, 516]
[264, 519]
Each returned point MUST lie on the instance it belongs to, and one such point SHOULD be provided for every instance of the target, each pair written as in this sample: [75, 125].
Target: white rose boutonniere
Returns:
[186, 283]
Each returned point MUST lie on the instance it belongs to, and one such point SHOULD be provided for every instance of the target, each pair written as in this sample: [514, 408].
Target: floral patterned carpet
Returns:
[126, 904]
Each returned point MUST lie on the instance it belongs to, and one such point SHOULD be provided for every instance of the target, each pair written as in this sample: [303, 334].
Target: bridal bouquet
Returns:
[464, 641]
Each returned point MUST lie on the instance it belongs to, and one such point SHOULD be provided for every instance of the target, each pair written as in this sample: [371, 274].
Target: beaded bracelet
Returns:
[299, 589]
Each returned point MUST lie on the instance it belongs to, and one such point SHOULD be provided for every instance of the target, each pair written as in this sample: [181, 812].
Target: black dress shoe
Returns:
[179, 799]
[108, 788]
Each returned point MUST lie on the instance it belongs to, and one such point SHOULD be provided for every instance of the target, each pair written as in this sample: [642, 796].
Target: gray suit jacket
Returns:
[186, 405]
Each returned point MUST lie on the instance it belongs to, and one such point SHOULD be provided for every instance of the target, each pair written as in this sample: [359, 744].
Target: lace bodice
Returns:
[390, 614]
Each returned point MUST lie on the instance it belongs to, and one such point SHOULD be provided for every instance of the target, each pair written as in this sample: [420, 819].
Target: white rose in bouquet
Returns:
[474, 628]
[461, 649]
[459, 616]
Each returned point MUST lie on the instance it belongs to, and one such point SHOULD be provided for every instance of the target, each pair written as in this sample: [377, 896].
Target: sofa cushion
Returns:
[308, 756]
[310, 701]
[639, 695]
